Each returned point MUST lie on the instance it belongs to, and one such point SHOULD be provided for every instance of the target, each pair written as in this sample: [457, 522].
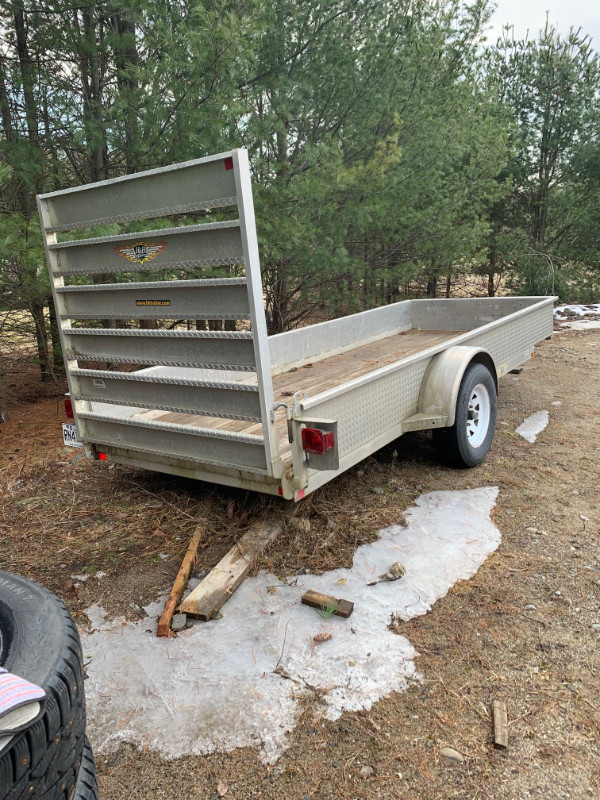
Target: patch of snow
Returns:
[583, 325]
[579, 310]
[533, 425]
[96, 615]
[214, 687]
[569, 311]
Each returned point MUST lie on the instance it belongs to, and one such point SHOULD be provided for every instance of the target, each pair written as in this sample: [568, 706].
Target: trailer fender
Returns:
[439, 390]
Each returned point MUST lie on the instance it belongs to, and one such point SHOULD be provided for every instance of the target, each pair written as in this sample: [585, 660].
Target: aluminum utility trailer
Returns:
[281, 414]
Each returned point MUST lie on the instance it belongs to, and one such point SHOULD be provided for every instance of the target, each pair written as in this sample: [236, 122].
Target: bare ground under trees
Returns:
[519, 630]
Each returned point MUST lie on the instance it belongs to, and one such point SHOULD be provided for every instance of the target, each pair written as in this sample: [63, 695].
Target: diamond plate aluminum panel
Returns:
[511, 339]
[370, 410]
[145, 195]
[199, 444]
[172, 300]
[165, 249]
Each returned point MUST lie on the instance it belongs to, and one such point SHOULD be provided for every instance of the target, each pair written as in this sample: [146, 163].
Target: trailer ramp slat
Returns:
[188, 186]
[166, 300]
[205, 445]
[176, 393]
[221, 350]
[162, 249]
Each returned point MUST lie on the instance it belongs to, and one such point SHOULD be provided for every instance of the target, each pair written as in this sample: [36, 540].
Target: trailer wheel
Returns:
[467, 442]
[39, 642]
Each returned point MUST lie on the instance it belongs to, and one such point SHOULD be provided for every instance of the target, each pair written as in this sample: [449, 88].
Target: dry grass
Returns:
[478, 643]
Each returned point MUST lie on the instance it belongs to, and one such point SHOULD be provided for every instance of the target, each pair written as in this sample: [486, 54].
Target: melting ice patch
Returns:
[588, 316]
[215, 687]
[533, 425]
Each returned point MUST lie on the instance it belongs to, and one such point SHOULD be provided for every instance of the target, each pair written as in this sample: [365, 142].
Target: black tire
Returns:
[39, 642]
[87, 783]
[454, 444]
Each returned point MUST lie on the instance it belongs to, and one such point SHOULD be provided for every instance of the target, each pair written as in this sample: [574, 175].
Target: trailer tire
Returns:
[467, 442]
[39, 642]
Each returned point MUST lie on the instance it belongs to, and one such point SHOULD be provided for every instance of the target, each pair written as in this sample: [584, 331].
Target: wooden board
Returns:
[222, 581]
[344, 367]
[319, 377]
[164, 623]
[325, 602]
[500, 723]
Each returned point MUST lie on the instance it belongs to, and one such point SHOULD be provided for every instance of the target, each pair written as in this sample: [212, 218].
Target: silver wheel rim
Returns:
[478, 415]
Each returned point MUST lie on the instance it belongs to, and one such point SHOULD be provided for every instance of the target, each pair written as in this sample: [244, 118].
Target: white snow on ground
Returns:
[582, 325]
[214, 686]
[533, 425]
[565, 314]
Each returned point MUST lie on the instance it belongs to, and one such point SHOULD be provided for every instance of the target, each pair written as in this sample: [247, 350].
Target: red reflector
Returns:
[281, 491]
[101, 457]
[316, 441]
[69, 408]
[229, 162]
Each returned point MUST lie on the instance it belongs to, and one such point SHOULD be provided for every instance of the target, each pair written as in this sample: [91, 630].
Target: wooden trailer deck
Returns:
[318, 377]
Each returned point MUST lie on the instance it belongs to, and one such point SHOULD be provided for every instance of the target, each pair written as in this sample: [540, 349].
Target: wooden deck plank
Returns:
[319, 377]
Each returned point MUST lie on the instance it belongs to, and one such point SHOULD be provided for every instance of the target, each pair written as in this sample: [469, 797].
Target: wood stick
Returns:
[164, 623]
[500, 723]
[325, 602]
[222, 581]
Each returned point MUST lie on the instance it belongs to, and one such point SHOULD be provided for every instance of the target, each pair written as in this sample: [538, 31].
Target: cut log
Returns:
[328, 604]
[500, 723]
[164, 623]
[222, 581]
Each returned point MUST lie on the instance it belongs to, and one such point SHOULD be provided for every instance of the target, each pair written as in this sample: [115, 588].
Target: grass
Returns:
[327, 610]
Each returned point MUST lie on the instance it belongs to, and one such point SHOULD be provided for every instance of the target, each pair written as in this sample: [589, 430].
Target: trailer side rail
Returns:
[372, 410]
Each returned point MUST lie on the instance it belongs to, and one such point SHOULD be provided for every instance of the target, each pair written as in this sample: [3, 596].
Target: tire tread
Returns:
[42, 762]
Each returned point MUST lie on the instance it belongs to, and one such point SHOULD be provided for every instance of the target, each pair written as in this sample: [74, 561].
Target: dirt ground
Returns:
[520, 630]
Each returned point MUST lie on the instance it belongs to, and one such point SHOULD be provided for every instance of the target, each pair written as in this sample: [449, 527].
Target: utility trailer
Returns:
[153, 388]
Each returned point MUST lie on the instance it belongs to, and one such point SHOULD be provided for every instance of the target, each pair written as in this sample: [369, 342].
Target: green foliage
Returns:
[390, 150]
[327, 610]
[550, 87]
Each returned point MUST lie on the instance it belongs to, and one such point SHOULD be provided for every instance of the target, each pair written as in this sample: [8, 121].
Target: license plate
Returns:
[70, 435]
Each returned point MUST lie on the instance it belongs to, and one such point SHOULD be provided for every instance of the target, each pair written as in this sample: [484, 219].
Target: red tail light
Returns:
[101, 456]
[316, 441]
[229, 162]
[69, 408]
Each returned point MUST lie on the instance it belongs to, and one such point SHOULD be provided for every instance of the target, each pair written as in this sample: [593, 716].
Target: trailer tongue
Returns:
[281, 414]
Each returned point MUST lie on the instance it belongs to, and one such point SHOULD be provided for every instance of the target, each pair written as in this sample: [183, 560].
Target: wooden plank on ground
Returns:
[222, 581]
[500, 723]
[164, 623]
[325, 602]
